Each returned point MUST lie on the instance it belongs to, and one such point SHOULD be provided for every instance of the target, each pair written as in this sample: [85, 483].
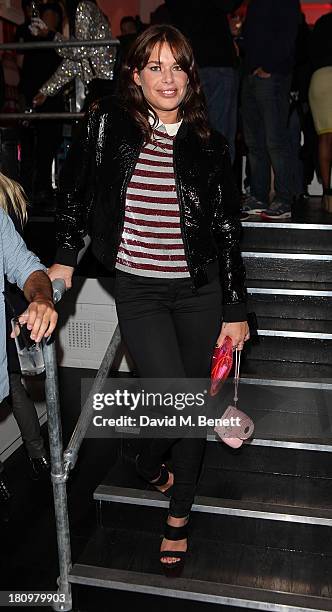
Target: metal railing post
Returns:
[57, 468]
[63, 462]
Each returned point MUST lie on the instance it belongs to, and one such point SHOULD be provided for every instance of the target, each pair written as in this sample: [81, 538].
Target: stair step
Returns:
[276, 369]
[291, 346]
[254, 481]
[196, 590]
[290, 287]
[288, 266]
[286, 304]
[282, 412]
[262, 564]
[292, 412]
[310, 327]
[297, 466]
[295, 236]
[214, 505]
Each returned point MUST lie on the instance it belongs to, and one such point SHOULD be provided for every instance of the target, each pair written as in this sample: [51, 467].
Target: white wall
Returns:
[87, 321]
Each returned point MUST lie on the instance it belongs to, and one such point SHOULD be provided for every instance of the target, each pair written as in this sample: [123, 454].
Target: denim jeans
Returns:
[265, 110]
[221, 87]
[170, 333]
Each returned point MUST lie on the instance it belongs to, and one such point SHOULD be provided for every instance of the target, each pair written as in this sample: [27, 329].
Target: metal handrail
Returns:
[40, 116]
[62, 463]
[51, 44]
[71, 453]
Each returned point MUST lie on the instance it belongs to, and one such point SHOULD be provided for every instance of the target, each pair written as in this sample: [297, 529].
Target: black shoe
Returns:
[40, 467]
[175, 568]
[5, 493]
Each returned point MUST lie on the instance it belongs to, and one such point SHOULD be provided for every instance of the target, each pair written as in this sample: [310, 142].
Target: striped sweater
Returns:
[151, 241]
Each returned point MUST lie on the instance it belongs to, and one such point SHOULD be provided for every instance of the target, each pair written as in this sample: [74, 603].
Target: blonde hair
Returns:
[12, 195]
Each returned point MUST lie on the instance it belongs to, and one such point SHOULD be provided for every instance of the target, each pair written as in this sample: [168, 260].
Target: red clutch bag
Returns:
[222, 362]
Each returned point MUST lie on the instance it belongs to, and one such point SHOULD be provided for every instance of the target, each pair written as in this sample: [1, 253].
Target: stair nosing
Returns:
[286, 255]
[289, 225]
[275, 382]
[290, 292]
[218, 593]
[285, 333]
[214, 505]
[290, 444]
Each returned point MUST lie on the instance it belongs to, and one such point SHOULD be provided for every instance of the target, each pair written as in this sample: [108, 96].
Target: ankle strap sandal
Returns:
[161, 480]
[175, 534]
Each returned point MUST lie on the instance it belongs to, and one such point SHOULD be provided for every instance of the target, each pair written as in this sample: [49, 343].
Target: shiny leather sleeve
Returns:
[227, 234]
[77, 182]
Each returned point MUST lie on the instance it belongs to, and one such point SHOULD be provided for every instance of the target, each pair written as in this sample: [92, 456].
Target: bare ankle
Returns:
[174, 521]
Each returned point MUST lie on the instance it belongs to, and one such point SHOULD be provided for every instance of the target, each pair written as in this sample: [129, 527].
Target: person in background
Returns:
[300, 120]
[20, 266]
[13, 202]
[269, 36]
[40, 140]
[206, 25]
[129, 33]
[128, 26]
[320, 97]
[93, 65]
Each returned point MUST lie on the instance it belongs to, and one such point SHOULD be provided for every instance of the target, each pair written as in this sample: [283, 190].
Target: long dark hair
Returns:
[192, 108]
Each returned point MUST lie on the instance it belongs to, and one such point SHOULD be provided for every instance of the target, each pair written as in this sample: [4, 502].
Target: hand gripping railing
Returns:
[62, 463]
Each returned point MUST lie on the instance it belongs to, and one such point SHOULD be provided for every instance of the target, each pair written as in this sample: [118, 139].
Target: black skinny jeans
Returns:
[26, 417]
[170, 331]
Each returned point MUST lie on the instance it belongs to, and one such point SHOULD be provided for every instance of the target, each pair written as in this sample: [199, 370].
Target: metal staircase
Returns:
[261, 526]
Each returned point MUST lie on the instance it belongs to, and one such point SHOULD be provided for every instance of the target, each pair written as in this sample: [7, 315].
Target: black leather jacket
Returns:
[93, 188]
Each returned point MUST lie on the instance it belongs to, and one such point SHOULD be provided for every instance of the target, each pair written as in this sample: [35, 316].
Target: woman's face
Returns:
[163, 82]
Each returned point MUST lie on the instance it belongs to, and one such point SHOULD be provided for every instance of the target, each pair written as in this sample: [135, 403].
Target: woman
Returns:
[320, 98]
[93, 65]
[13, 202]
[164, 215]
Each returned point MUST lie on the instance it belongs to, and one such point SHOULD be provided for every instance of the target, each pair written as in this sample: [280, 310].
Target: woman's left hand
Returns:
[238, 332]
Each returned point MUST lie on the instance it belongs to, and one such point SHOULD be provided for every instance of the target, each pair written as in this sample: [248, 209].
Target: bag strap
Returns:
[237, 375]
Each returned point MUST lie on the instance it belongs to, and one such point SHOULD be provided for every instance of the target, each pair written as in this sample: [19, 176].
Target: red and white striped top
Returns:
[151, 241]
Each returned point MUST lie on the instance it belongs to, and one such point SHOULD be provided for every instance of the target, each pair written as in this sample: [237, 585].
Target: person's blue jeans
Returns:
[221, 88]
[265, 110]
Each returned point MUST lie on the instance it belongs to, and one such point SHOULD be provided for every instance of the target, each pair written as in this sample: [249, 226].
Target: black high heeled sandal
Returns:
[161, 481]
[175, 568]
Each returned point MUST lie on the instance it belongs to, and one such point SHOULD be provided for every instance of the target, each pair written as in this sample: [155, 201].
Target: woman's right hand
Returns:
[61, 271]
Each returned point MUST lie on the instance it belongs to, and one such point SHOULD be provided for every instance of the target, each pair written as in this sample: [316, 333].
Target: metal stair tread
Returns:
[291, 286]
[213, 505]
[197, 590]
[296, 325]
[293, 254]
[288, 225]
[275, 557]
[297, 371]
